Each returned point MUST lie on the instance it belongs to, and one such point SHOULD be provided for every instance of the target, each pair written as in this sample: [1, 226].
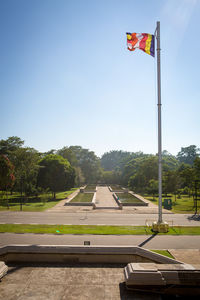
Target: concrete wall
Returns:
[97, 254]
[117, 201]
[121, 204]
[120, 191]
[92, 203]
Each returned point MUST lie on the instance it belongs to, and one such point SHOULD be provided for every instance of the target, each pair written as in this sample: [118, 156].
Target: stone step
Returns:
[3, 269]
[162, 274]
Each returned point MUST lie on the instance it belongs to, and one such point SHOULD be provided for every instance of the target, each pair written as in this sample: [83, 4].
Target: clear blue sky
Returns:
[67, 78]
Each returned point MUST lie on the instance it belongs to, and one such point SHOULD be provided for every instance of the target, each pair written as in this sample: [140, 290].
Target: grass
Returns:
[163, 252]
[81, 197]
[116, 187]
[127, 198]
[183, 205]
[94, 229]
[90, 187]
[40, 203]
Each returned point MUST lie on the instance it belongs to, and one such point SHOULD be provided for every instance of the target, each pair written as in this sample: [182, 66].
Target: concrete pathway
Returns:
[63, 282]
[104, 198]
[61, 204]
[191, 256]
[145, 241]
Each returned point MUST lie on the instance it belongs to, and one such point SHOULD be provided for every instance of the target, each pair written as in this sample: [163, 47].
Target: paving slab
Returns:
[189, 256]
[82, 282]
[104, 198]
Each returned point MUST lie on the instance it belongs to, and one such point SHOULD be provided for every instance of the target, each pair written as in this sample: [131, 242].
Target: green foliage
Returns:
[110, 177]
[188, 154]
[68, 154]
[197, 168]
[187, 175]
[26, 169]
[41, 202]
[171, 182]
[147, 169]
[137, 169]
[11, 144]
[113, 160]
[55, 173]
[152, 188]
[88, 162]
[7, 177]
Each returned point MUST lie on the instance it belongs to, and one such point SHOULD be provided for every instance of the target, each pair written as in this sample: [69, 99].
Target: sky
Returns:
[67, 78]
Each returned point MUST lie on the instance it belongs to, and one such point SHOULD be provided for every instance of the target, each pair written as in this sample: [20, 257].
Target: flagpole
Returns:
[159, 126]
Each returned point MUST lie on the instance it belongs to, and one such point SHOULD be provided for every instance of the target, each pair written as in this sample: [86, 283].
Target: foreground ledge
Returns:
[80, 254]
[180, 279]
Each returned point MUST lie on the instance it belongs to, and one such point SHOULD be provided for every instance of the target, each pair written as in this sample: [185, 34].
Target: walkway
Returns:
[145, 241]
[104, 198]
[63, 282]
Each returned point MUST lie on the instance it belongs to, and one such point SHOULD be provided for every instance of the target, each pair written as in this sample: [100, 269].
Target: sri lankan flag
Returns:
[143, 41]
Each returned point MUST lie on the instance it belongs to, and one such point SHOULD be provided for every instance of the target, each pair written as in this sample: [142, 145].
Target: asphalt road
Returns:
[148, 242]
[94, 218]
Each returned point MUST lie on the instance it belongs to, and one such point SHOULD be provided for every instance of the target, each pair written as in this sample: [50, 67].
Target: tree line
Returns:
[139, 171]
[24, 169]
[28, 170]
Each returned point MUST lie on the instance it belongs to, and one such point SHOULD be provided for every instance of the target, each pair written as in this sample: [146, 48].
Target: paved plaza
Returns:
[80, 282]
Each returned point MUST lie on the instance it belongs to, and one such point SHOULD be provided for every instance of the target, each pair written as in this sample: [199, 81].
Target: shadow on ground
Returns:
[195, 217]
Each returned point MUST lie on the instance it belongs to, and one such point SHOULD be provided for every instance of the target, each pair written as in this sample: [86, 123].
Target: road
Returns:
[94, 218]
[148, 242]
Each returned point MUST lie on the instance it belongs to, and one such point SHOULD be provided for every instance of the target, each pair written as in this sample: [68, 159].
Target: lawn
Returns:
[82, 197]
[127, 198]
[90, 187]
[94, 229]
[183, 205]
[116, 187]
[40, 203]
[163, 252]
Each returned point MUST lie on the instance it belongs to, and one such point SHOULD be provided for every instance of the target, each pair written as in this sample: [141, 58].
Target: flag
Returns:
[143, 41]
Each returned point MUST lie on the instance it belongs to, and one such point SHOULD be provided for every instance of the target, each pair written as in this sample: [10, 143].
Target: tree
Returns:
[7, 177]
[88, 162]
[186, 173]
[152, 188]
[170, 162]
[188, 154]
[146, 169]
[171, 182]
[11, 144]
[117, 159]
[26, 161]
[197, 168]
[68, 154]
[55, 173]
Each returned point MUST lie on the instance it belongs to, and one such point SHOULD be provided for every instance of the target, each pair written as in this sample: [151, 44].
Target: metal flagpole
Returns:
[159, 126]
